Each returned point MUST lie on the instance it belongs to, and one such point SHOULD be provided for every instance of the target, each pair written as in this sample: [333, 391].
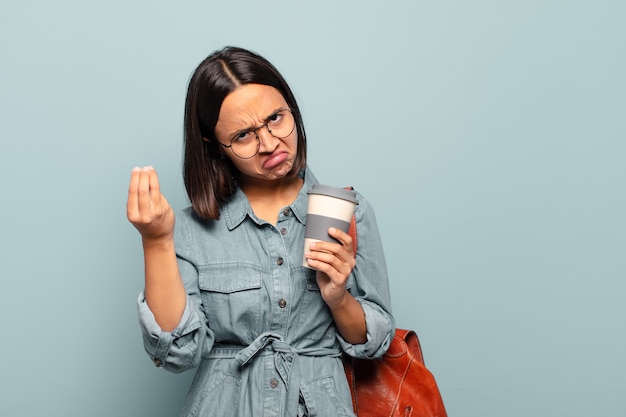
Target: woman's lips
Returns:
[274, 160]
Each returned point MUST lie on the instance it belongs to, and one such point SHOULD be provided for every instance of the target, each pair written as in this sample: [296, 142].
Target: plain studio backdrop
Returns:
[490, 136]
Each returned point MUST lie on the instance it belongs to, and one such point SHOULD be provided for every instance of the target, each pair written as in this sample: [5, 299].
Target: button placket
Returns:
[280, 239]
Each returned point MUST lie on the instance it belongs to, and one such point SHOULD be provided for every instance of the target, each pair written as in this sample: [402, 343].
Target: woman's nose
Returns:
[267, 141]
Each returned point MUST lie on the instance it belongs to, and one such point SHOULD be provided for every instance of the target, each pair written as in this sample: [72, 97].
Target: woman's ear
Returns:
[219, 148]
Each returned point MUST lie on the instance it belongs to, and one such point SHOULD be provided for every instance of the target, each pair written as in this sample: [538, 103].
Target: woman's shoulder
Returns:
[363, 208]
[188, 221]
[190, 215]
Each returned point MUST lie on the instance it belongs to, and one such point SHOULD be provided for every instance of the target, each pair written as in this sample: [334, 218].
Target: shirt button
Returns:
[287, 212]
[282, 303]
[274, 383]
[279, 261]
[158, 363]
[283, 231]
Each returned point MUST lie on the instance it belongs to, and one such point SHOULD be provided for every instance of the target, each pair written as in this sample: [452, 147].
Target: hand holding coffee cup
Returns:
[328, 207]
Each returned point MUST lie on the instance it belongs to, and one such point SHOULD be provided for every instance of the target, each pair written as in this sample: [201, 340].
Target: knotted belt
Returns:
[285, 361]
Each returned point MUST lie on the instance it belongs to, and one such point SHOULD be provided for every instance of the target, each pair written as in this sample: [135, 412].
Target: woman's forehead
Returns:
[253, 98]
[247, 105]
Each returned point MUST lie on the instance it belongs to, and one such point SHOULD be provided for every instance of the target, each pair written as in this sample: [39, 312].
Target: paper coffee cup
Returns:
[328, 207]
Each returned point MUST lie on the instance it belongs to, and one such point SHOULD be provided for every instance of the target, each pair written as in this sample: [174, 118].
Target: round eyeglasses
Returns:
[246, 144]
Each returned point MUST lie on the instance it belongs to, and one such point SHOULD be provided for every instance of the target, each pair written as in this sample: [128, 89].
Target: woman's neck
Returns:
[268, 197]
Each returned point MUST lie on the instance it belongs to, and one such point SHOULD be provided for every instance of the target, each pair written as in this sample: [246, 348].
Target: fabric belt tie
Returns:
[285, 361]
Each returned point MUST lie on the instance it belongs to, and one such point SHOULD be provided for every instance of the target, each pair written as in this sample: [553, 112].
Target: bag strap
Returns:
[352, 229]
[352, 233]
[347, 361]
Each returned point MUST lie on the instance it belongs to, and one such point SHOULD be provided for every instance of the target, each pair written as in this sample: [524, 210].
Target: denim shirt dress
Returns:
[255, 324]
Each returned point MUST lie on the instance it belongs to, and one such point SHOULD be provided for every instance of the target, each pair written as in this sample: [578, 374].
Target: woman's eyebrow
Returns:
[277, 110]
[237, 132]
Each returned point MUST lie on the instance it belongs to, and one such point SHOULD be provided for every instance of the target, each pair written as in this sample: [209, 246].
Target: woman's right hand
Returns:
[146, 208]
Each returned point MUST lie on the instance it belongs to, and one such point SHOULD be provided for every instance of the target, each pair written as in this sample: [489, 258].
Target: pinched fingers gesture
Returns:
[334, 263]
[146, 208]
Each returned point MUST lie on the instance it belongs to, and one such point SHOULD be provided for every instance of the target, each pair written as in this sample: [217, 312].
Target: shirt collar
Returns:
[238, 207]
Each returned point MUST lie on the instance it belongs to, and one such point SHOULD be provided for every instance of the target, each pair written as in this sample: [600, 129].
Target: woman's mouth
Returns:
[274, 160]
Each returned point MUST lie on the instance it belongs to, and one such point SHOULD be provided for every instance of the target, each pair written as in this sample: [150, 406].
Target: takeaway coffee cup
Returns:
[328, 207]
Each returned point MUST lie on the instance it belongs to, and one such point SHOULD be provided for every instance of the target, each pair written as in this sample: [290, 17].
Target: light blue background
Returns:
[489, 135]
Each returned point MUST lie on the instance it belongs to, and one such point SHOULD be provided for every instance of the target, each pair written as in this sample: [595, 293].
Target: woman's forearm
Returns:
[164, 289]
[349, 318]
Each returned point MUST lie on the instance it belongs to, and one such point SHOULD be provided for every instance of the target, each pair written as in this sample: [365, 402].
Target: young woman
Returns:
[225, 290]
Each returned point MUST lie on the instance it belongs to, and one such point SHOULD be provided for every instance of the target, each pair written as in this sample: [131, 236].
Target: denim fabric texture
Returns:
[255, 326]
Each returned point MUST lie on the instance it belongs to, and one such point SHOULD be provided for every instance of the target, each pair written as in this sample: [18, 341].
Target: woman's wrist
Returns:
[161, 243]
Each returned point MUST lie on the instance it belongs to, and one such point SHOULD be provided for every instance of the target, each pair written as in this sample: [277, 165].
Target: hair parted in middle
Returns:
[210, 178]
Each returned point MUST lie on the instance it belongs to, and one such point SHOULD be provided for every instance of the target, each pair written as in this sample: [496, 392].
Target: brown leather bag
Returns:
[396, 385]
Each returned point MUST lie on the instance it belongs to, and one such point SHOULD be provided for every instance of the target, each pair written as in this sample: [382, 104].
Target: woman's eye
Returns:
[242, 137]
[275, 118]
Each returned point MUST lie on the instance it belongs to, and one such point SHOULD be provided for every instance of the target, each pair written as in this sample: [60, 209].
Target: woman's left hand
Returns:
[334, 263]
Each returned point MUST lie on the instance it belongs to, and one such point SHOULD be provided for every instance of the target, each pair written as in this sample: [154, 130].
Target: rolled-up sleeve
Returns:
[371, 287]
[177, 350]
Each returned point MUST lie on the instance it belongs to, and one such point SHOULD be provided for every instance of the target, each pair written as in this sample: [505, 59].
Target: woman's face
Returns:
[248, 107]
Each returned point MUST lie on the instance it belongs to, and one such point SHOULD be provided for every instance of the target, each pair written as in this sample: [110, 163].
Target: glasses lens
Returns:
[281, 124]
[246, 148]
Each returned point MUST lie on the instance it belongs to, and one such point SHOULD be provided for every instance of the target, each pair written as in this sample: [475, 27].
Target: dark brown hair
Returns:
[210, 178]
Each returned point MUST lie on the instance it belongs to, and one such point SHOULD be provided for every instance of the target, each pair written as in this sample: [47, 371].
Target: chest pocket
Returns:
[231, 297]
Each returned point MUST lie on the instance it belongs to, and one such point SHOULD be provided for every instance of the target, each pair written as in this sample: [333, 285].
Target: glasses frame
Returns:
[256, 134]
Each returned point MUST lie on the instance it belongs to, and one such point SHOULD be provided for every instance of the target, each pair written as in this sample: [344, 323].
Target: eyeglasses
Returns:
[246, 144]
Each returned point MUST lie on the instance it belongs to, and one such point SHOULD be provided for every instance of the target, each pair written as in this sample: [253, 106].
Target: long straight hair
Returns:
[210, 178]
